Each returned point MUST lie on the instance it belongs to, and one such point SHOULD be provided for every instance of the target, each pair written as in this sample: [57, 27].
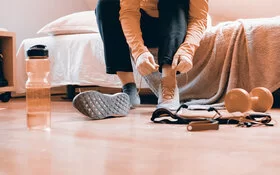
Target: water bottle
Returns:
[38, 98]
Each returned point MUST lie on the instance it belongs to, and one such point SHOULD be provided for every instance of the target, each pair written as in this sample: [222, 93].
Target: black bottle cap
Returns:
[38, 51]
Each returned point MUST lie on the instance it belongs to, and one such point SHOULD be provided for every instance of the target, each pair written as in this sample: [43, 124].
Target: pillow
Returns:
[76, 23]
[3, 29]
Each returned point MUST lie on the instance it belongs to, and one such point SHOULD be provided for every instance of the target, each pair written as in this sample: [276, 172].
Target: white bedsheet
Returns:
[75, 60]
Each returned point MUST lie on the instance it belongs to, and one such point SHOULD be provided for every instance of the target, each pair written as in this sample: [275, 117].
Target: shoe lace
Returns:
[140, 84]
[168, 85]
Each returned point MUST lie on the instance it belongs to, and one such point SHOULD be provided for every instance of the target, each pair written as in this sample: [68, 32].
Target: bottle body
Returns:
[38, 98]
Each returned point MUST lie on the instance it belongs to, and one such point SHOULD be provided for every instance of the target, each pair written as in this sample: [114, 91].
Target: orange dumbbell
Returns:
[260, 99]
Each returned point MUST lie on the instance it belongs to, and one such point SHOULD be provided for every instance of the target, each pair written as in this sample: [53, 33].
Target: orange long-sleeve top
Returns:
[130, 20]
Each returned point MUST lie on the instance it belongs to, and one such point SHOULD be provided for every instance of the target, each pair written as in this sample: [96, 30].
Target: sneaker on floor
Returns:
[99, 106]
[168, 96]
[131, 90]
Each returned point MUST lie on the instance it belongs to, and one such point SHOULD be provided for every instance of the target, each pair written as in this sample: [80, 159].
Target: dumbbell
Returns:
[260, 99]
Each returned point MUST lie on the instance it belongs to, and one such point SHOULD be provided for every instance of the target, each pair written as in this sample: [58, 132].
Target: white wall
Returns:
[26, 17]
[91, 3]
[222, 10]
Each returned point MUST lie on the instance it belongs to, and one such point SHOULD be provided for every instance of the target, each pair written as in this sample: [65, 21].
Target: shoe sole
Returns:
[99, 106]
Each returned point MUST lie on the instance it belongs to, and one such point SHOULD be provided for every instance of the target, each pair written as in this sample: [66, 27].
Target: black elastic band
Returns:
[162, 115]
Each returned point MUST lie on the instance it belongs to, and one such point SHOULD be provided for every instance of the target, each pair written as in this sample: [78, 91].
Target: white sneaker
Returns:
[168, 96]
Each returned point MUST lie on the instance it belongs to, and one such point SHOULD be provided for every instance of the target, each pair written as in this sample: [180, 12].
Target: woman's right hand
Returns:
[145, 64]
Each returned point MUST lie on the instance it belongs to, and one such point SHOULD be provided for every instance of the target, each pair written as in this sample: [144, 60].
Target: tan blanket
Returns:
[243, 54]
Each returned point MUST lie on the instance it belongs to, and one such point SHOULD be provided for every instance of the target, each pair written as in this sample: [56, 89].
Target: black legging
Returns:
[166, 32]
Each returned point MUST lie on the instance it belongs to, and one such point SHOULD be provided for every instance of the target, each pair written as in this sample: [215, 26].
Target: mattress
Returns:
[75, 60]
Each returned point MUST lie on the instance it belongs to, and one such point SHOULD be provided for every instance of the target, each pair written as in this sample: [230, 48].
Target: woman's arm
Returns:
[196, 27]
[130, 20]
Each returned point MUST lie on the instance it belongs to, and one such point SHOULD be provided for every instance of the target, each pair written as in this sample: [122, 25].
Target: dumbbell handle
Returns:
[254, 98]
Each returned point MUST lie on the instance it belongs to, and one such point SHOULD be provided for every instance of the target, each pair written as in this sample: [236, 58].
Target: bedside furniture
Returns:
[8, 50]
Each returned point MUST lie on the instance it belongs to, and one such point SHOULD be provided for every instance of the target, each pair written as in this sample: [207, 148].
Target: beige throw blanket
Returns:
[243, 54]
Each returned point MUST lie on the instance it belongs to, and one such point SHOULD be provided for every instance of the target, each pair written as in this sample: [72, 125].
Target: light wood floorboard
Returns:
[131, 145]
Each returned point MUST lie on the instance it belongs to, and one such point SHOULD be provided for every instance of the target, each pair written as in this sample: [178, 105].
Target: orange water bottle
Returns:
[38, 98]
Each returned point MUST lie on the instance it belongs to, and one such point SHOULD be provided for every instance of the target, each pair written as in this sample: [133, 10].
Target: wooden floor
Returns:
[131, 145]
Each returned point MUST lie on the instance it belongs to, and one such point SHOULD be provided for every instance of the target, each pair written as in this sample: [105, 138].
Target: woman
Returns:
[175, 27]
[130, 27]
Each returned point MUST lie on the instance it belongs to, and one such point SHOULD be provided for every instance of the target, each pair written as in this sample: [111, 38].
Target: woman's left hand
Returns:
[182, 63]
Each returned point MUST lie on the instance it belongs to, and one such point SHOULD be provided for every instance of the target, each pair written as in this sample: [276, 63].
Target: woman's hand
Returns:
[145, 64]
[181, 62]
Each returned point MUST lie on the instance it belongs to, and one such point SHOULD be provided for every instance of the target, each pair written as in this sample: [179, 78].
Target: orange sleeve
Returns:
[130, 20]
[196, 27]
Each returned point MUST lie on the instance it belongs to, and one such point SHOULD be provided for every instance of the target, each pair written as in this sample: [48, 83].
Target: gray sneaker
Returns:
[99, 106]
[168, 96]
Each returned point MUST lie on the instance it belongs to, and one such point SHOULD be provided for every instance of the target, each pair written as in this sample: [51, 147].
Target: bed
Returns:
[76, 59]
[234, 54]
[75, 52]
[242, 53]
